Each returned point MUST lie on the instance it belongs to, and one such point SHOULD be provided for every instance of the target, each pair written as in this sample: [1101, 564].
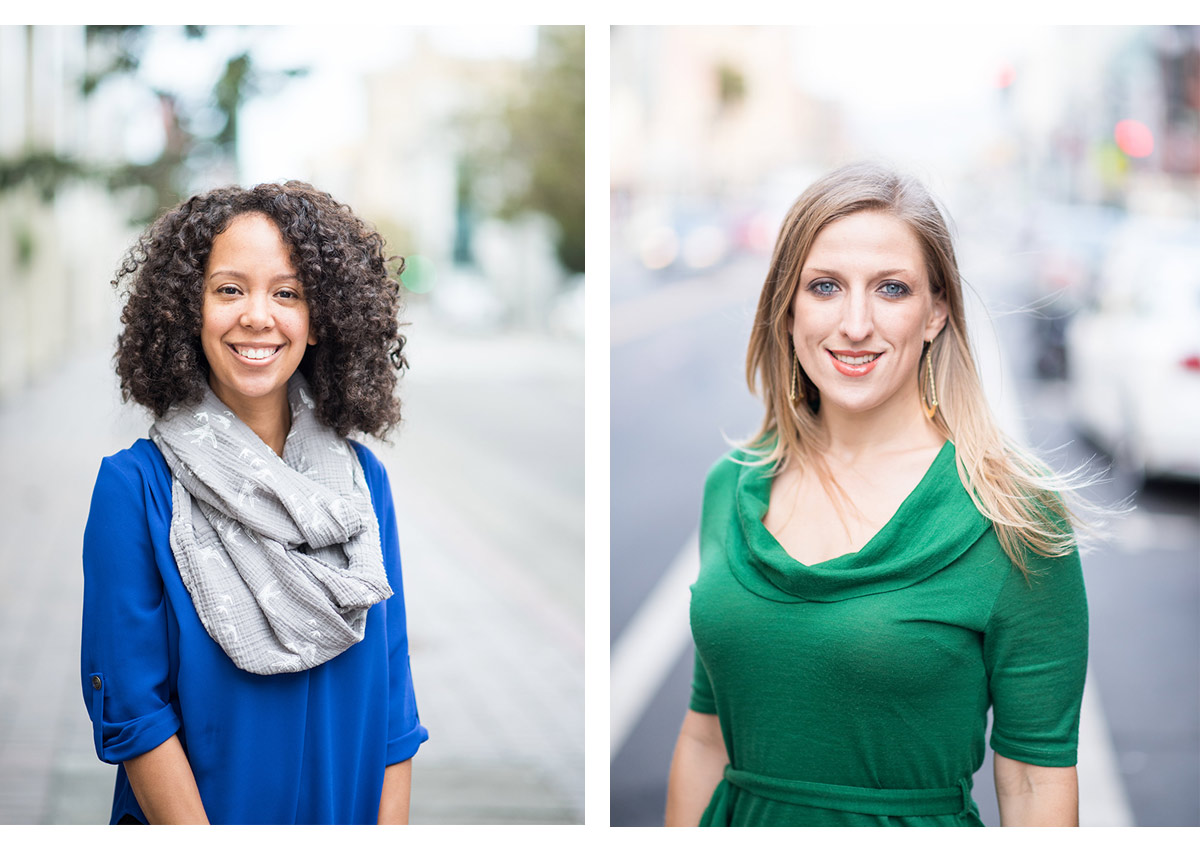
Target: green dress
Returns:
[856, 691]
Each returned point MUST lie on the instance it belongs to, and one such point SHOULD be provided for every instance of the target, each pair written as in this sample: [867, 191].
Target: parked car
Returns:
[1066, 245]
[1134, 352]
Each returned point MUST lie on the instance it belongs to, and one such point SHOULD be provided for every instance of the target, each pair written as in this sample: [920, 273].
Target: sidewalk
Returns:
[487, 474]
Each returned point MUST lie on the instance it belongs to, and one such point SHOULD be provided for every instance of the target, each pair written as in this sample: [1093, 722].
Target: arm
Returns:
[125, 665]
[405, 732]
[696, 769]
[1035, 648]
[397, 783]
[164, 786]
[1036, 795]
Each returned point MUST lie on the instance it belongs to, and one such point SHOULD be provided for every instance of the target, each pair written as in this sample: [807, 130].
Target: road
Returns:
[678, 386]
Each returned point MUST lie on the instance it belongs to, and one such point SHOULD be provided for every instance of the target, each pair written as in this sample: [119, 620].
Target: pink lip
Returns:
[853, 370]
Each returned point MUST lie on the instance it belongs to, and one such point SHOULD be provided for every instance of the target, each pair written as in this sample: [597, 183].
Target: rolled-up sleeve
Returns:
[124, 663]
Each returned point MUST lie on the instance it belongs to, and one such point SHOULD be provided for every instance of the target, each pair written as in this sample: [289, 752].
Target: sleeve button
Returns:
[96, 682]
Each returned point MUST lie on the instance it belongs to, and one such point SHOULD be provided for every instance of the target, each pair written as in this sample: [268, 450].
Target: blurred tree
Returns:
[45, 171]
[121, 52]
[192, 145]
[731, 86]
[539, 162]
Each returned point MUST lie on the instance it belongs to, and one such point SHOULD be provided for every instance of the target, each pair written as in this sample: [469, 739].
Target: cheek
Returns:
[812, 326]
[212, 324]
[903, 327]
[304, 328]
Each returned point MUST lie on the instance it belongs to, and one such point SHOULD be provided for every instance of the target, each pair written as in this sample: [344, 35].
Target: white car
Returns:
[1133, 355]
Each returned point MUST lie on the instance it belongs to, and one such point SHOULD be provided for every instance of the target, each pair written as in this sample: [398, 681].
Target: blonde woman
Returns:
[879, 564]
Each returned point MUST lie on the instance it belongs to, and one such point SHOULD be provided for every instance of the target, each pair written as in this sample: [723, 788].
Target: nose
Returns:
[256, 311]
[856, 321]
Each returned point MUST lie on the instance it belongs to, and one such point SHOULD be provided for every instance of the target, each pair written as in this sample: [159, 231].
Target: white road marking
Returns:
[1102, 798]
[650, 644]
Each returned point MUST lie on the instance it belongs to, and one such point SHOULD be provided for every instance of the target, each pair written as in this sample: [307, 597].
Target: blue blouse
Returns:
[299, 748]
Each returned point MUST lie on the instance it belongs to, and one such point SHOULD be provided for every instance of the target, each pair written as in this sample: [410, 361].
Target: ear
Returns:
[312, 336]
[937, 318]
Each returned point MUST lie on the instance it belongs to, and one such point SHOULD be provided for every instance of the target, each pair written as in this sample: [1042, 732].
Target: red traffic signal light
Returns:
[1134, 138]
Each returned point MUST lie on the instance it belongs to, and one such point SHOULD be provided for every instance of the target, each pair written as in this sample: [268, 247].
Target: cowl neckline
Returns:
[934, 525]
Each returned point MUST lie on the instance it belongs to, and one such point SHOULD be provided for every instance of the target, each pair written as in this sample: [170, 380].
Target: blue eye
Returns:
[823, 287]
[894, 288]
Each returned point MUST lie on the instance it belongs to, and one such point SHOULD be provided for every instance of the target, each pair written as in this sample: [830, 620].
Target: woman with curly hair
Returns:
[880, 564]
[244, 649]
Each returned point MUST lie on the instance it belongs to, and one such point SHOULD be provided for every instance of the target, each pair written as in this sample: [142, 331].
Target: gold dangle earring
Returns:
[797, 393]
[930, 406]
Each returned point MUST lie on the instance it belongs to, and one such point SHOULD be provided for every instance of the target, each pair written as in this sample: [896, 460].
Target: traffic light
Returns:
[1134, 138]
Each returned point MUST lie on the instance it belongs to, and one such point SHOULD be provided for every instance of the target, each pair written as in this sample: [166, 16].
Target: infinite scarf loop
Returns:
[281, 556]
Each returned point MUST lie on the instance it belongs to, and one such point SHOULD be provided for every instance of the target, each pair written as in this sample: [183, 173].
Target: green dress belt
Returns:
[852, 799]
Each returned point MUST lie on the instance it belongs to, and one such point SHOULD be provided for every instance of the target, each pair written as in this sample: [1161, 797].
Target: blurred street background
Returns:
[464, 147]
[1069, 161]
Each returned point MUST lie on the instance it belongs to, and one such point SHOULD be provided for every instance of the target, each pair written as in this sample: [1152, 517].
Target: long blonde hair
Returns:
[1012, 488]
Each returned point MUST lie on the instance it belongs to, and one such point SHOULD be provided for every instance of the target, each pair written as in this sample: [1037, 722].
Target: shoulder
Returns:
[724, 475]
[131, 498]
[373, 469]
[370, 462]
[1022, 497]
[138, 466]
[731, 465]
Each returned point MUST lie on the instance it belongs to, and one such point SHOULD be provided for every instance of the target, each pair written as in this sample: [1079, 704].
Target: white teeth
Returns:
[257, 354]
[854, 361]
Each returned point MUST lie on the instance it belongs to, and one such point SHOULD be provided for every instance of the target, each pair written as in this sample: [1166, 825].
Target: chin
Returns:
[854, 403]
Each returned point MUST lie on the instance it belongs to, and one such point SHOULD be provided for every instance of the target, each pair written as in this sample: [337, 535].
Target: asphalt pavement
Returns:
[487, 476]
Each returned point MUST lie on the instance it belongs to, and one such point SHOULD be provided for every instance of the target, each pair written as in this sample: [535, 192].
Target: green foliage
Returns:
[240, 82]
[543, 154]
[117, 52]
[122, 48]
[731, 85]
[26, 246]
[46, 171]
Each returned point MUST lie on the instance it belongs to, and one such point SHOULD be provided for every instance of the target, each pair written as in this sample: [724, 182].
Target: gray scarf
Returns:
[281, 556]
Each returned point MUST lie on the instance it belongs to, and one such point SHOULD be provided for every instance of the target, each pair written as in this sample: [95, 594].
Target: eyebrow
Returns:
[880, 274]
[234, 273]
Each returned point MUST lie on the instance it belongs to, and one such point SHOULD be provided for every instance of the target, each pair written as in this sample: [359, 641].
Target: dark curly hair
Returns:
[353, 303]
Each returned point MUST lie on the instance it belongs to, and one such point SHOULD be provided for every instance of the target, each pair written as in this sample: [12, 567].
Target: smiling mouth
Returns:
[255, 352]
[855, 360]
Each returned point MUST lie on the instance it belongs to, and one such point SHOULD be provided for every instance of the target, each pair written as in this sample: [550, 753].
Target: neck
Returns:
[269, 417]
[899, 426]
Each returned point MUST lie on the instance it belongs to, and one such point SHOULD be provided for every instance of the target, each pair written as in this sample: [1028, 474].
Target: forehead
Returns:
[866, 242]
[249, 239]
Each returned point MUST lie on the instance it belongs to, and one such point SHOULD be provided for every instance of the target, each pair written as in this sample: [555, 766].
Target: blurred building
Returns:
[708, 126]
[711, 110]
[413, 176]
[61, 236]
[1117, 124]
